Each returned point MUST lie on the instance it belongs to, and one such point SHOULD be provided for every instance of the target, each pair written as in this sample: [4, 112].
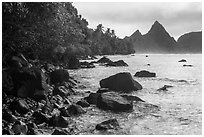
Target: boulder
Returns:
[61, 90]
[58, 121]
[145, 73]
[60, 132]
[132, 98]
[104, 60]
[64, 112]
[8, 116]
[117, 63]
[59, 76]
[183, 60]
[83, 103]
[19, 128]
[75, 109]
[92, 98]
[164, 88]
[28, 81]
[86, 64]
[40, 118]
[187, 65]
[113, 101]
[108, 124]
[120, 82]
[19, 106]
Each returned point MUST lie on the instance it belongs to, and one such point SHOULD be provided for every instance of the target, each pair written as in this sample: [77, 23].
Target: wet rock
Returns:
[59, 76]
[20, 106]
[40, 118]
[83, 103]
[109, 124]
[113, 101]
[185, 65]
[120, 82]
[60, 132]
[103, 90]
[92, 98]
[164, 88]
[19, 128]
[104, 60]
[75, 110]
[145, 73]
[60, 90]
[8, 116]
[64, 112]
[86, 64]
[117, 63]
[27, 81]
[6, 132]
[40, 95]
[58, 121]
[183, 60]
[132, 98]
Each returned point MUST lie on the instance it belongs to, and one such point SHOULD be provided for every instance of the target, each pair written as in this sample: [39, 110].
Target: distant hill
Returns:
[158, 40]
[190, 42]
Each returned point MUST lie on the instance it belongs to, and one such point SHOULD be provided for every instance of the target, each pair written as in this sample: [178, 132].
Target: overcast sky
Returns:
[126, 18]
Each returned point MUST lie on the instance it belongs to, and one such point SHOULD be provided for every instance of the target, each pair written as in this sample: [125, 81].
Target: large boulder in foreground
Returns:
[117, 63]
[145, 73]
[120, 82]
[113, 101]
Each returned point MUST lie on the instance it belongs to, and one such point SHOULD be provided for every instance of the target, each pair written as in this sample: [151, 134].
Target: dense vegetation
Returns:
[54, 31]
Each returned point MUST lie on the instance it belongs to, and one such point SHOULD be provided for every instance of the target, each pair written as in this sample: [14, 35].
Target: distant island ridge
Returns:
[158, 40]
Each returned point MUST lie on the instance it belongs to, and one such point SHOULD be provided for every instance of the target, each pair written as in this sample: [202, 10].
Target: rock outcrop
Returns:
[120, 82]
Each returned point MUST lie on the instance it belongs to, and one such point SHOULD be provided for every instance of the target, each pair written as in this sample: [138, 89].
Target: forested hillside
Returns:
[54, 32]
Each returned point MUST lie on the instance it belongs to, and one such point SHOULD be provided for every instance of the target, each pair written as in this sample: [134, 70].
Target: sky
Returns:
[125, 18]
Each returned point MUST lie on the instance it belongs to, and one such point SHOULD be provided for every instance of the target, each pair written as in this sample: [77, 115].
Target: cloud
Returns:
[123, 15]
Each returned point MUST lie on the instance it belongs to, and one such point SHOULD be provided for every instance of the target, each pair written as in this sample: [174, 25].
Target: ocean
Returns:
[180, 106]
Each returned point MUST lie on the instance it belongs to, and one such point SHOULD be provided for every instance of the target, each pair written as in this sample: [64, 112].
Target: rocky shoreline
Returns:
[42, 98]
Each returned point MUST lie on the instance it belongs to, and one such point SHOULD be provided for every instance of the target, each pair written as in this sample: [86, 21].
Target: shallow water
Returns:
[180, 107]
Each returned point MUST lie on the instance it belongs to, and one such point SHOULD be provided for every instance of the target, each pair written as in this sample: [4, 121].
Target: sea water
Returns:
[180, 106]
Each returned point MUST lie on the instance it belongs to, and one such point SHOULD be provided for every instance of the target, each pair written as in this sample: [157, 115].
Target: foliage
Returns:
[37, 29]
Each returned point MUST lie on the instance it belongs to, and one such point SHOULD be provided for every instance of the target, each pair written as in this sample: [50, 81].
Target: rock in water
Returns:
[108, 124]
[104, 60]
[183, 60]
[120, 82]
[75, 109]
[117, 63]
[145, 73]
[132, 98]
[83, 103]
[59, 76]
[164, 88]
[92, 98]
[113, 101]
[187, 65]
